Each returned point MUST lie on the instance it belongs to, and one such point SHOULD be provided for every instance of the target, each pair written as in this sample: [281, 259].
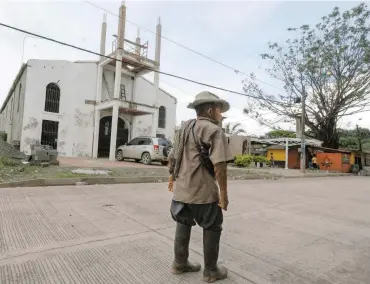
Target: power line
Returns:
[150, 69]
[184, 46]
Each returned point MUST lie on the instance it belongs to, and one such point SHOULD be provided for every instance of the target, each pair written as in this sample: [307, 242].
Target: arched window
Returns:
[162, 117]
[52, 98]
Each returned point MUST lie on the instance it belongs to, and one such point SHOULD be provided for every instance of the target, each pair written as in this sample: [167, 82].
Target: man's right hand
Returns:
[224, 201]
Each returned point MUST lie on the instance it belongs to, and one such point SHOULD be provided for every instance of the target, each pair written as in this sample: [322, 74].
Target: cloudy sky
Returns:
[234, 33]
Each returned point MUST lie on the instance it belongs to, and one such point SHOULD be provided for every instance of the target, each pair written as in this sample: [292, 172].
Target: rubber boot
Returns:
[211, 246]
[181, 263]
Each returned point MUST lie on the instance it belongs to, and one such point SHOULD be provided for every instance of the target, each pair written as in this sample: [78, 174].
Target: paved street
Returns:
[276, 231]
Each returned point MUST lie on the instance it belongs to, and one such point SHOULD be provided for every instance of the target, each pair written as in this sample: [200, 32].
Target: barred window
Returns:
[52, 98]
[162, 117]
[49, 133]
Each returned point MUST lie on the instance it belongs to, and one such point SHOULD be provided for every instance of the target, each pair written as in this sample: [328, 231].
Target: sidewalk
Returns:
[305, 231]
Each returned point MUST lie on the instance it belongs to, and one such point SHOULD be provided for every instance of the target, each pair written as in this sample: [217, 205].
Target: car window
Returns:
[164, 142]
[144, 141]
[133, 142]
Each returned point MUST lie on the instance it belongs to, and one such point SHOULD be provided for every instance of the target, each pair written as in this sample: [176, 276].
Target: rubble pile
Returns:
[8, 151]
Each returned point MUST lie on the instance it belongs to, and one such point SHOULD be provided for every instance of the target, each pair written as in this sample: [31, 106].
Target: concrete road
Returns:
[287, 231]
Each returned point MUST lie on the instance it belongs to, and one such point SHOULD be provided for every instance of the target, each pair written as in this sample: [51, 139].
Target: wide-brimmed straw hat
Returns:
[208, 97]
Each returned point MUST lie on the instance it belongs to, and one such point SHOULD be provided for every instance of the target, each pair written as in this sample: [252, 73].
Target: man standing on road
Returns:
[198, 168]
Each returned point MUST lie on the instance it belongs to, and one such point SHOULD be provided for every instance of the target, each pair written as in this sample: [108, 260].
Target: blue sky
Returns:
[234, 33]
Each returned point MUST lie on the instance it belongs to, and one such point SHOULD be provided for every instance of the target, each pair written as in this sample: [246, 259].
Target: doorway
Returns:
[49, 133]
[105, 129]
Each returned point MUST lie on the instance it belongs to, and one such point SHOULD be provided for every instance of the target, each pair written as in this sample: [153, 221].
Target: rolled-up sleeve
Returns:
[220, 150]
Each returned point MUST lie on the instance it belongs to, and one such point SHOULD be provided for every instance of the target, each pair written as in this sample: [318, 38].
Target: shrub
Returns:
[243, 161]
[9, 162]
[246, 160]
[261, 159]
[3, 135]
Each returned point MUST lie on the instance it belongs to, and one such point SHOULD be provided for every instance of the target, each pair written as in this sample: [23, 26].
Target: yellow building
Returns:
[277, 151]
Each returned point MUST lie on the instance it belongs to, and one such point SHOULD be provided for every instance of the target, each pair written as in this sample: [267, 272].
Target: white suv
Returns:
[145, 149]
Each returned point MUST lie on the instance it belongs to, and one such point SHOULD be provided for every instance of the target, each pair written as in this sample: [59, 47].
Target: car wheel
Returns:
[146, 159]
[167, 150]
[119, 155]
[164, 163]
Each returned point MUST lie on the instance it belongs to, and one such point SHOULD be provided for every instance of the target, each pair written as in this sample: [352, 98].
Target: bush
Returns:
[3, 136]
[243, 160]
[246, 160]
[261, 159]
[9, 162]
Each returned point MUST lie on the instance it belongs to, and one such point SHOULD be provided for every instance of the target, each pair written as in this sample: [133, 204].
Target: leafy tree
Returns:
[348, 143]
[329, 63]
[354, 139]
[234, 129]
[280, 133]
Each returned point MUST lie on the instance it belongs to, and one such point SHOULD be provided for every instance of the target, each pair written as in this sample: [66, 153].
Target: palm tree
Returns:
[234, 129]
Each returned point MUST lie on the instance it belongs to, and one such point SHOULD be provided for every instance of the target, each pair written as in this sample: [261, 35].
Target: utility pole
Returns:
[303, 139]
[359, 138]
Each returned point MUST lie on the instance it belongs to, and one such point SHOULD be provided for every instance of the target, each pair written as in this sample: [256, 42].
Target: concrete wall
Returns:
[236, 144]
[144, 93]
[279, 154]
[335, 162]
[6, 116]
[77, 83]
[12, 115]
[141, 91]
[18, 109]
[108, 85]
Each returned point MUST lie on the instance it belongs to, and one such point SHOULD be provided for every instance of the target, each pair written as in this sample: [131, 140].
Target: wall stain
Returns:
[61, 144]
[32, 123]
[31, 141]
[144, 131]
[83, 119]
[79, 149]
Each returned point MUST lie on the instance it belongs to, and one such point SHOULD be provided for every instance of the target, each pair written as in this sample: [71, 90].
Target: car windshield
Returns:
[164, 142]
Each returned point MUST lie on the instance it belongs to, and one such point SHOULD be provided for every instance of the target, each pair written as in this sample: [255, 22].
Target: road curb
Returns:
[123, 180]
[82, 180]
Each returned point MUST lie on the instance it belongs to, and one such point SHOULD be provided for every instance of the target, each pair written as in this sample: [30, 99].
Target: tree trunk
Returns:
[329, 136]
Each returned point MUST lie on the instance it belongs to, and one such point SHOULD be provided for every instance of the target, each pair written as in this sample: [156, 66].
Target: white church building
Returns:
[88, 109]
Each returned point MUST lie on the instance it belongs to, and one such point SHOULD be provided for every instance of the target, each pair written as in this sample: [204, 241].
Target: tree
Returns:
[234, 130]
[329, 63]
[280, 133]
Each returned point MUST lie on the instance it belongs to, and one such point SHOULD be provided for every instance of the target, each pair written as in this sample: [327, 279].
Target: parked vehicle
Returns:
[145, 149]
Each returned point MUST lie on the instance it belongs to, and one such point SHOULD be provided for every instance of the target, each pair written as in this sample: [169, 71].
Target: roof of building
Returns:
[291, 141]
[12, 88]
[276, 147]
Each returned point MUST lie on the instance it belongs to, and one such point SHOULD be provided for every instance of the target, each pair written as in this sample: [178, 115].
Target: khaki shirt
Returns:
[194, 183]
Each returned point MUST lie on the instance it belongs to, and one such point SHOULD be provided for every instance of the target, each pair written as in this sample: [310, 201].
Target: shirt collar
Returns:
[209, 119]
